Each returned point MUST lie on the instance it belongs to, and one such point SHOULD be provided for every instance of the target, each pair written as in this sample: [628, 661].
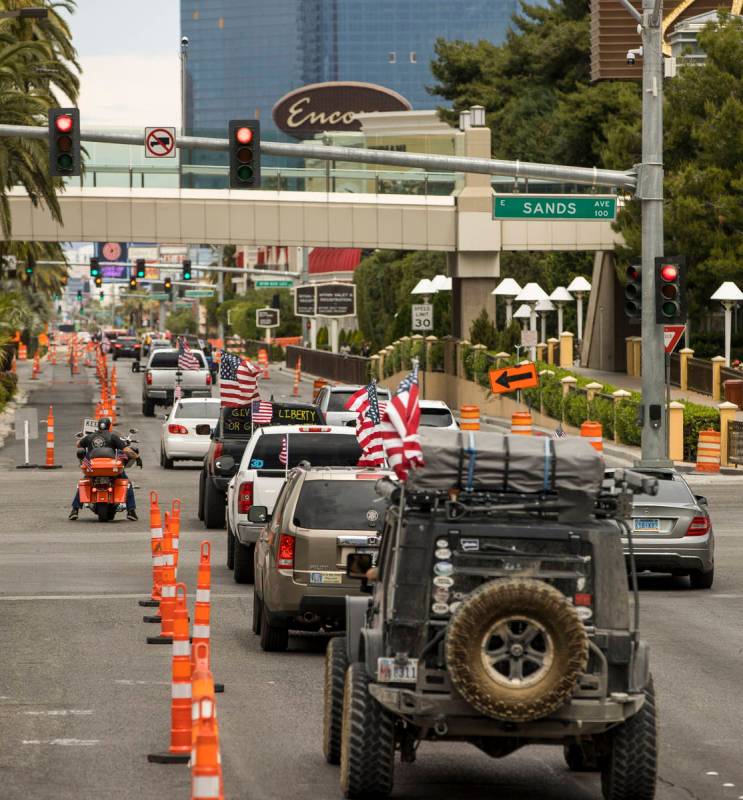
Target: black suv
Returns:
[499, 615]
[229, 438]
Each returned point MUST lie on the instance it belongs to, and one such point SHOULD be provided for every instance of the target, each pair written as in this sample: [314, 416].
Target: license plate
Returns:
[389, 671]
[647, 525]
[325, 578]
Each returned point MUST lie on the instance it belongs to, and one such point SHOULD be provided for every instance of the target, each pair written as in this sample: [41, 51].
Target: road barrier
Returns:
[708, 451]
[469, 418]
[593, 432]
[297, 377]
[521, 423]
[50, 442]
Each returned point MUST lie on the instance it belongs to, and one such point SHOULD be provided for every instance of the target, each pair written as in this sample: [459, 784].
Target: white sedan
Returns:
[179, 440]
[436, 414]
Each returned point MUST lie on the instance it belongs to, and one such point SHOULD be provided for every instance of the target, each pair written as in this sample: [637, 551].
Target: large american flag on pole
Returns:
[186, 357]
[368, 431]
[399, 426]
[237, 380]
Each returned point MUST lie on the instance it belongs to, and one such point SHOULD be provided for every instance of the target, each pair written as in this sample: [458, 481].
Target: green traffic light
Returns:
[245, 173]
[669, 309]
[64, 161]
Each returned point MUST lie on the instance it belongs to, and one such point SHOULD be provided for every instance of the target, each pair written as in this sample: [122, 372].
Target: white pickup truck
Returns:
[261, 476]
[161, 374]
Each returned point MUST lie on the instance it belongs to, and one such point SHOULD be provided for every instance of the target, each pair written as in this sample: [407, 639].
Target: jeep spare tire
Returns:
[515, 649]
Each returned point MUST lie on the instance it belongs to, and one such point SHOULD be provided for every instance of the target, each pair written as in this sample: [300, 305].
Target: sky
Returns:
[129, 54]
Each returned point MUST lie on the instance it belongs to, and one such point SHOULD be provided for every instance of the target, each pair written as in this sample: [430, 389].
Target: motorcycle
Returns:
[102, 489]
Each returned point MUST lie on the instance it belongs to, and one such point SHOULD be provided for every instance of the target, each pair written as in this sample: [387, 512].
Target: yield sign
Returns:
[672, 336]
[509, 379]
[159, 142]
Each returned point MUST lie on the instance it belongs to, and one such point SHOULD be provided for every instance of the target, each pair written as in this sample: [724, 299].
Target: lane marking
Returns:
[126, 682]
[58, 712]
[64, 742]
[711, 773]
[112, 596]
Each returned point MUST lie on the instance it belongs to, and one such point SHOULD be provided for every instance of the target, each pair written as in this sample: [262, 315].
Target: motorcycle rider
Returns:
[105, 437]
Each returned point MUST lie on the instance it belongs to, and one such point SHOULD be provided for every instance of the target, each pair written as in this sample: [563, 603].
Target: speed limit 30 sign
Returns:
[422, 318]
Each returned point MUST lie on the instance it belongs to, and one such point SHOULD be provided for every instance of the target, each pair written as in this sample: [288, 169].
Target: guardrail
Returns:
[333, 366]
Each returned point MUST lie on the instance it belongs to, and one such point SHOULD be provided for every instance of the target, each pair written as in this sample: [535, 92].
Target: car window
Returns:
[337, 400]
[320, 449]
[668, 492]
[338, 505]
[169, 360]
[208, 409]
[436, 417]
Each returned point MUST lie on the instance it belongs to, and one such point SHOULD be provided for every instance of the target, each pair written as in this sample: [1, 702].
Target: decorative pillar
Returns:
[686, 353]
[676, 431]
[629, 344]
[566, 349]
[717, 363]
[637, 355]
[619, 395]
[551, 344]
[727, 415]
[541, 350]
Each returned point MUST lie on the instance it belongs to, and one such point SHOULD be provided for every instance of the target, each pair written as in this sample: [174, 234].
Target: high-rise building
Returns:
[243, 55]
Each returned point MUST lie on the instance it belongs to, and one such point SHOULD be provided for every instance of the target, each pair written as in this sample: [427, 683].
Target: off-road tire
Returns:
[200, 511]
[244, 567]
[214, 509]
[336, 664]
[367, 741]
[579, 759]
[701, 580]
[148, 408]
[257, 613]
[629, 768]
[516, 599]
[274, 638]
[230, 549]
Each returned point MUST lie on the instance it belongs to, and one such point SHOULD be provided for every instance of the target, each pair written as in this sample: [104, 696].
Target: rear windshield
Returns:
[320, 449]
[338, 505]
[338, 400]
[436, 417]
[668, 492]
[169, 360]
[126, 340]
[207, 409]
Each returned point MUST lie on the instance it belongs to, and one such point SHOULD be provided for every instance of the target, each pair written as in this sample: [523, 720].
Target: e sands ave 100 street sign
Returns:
[561, 206]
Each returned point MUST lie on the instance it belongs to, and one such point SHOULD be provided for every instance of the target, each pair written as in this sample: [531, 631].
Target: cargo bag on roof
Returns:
[496, 462]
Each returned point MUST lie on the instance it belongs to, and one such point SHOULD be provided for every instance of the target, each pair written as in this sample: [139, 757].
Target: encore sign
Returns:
[333, 106]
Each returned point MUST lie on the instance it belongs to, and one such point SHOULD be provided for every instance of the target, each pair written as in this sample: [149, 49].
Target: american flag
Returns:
[87, 464]
[399, 426]
[178, 392]
[559, 433]
[237, 380]
[261, 412]
[186, 357]
[284, 452]
[368, 431]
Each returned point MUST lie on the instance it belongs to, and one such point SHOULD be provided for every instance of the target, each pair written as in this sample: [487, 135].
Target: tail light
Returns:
[218, 447]
[285, 558]
[699, 526]
[244, 497]
[148, 378]
[582, 599]
[177, 429]
[118, 345]
[208, 379]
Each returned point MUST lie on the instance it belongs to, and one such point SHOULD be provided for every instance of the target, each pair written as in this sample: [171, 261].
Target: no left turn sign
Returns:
[159, 142]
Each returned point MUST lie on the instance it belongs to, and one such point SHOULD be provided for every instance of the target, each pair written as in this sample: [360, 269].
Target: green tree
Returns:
[182, 322]
[482, 331]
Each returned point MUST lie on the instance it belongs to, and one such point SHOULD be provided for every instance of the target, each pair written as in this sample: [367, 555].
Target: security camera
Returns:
[184, 41]
[632, 55]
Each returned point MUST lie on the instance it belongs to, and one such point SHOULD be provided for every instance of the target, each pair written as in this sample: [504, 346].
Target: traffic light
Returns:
[101, 295]
[30, 264]
[79, 295]
[670, 291]
[186, 269]
[168, 284]
[132, 282]
[633, 292]
[98, 281]
[95, 269]
[245, 153]
[64, 142]
[140, 268]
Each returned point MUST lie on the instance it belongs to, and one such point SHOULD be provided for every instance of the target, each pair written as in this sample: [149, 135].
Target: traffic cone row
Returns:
[297, 377]
[22, 352]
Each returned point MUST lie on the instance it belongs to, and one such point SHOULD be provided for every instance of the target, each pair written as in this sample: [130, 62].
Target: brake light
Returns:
[699, 526]
[177, 429]
[208, 379]
[117, 345]
[368, 476]
[285, 559]
[314, 429]
[148, 378]
[244, 497]
[583, 599]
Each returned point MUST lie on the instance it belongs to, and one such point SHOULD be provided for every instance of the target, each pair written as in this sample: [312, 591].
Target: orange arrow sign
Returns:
[509, 379]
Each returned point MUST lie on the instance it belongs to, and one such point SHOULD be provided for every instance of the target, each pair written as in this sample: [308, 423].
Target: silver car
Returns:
[673, 530]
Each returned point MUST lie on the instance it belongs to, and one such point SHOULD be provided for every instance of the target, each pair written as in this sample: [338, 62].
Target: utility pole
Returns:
[220, 297]
[184, 102]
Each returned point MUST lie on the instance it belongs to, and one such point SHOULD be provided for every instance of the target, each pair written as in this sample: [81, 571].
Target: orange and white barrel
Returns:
[522, 423]
[469, 418]
[593, 432]
[708, 451]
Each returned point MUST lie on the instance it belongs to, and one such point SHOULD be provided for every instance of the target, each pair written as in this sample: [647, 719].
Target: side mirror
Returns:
[701, 499]
[258, 515]
[225, 464]
[163, 417]
[358, 564]
[203, 429]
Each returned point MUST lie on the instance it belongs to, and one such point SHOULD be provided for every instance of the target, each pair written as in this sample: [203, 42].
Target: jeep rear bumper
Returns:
[578, 717]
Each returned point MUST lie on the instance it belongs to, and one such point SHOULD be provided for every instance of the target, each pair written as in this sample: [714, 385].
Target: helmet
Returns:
[104, 424]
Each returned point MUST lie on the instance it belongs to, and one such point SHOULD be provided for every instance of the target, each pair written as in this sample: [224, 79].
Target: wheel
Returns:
[274, 638]
[515, 649]
[244, 564]
[367, 740]
[629, 769]
[702, 580]
[102, 511]
[111, 511]
[257, 613]
[581, 757]
[230, 549]
[336, 664]
[200, 511]
[214, 512]
[165, 462]
[148, 408]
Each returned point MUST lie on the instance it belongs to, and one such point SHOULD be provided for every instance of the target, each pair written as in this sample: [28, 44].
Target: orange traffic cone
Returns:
[50, 442]
[14, 366]
[156, 548]
[206, 767]
[167, 592]
[35, 369]
[179, 751]
[201, 632]
[297, 377]
[263, 362]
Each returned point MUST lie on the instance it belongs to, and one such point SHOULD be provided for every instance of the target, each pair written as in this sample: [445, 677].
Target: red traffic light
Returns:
[244, 135]
[633, 274]
[63, 123]
[669, 272]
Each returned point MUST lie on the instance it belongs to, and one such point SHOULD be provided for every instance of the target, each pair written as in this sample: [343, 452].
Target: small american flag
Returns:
[237, 380]
[87, 464]
[261, 412]
[368, 431]
[178, 392]
[284, 452]
[559, 433]
[399, 425]
[186, 357]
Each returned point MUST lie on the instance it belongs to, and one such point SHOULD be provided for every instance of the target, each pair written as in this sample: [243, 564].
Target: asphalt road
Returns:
[83, 699]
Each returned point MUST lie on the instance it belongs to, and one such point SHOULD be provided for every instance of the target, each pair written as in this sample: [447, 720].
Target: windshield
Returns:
[126, 340]
[169, 360]
[205, 409]
[338, 400]
[320, 449]
[338, 505]
[669, 492]
[436, 417]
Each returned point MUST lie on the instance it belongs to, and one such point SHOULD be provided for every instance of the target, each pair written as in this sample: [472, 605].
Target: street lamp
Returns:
[728, 294]
[559, 297]
[523, 314]
[441, 283]
[579, 286]
[507, 288]
[543, 307]
[425, 286]
[531, 294]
